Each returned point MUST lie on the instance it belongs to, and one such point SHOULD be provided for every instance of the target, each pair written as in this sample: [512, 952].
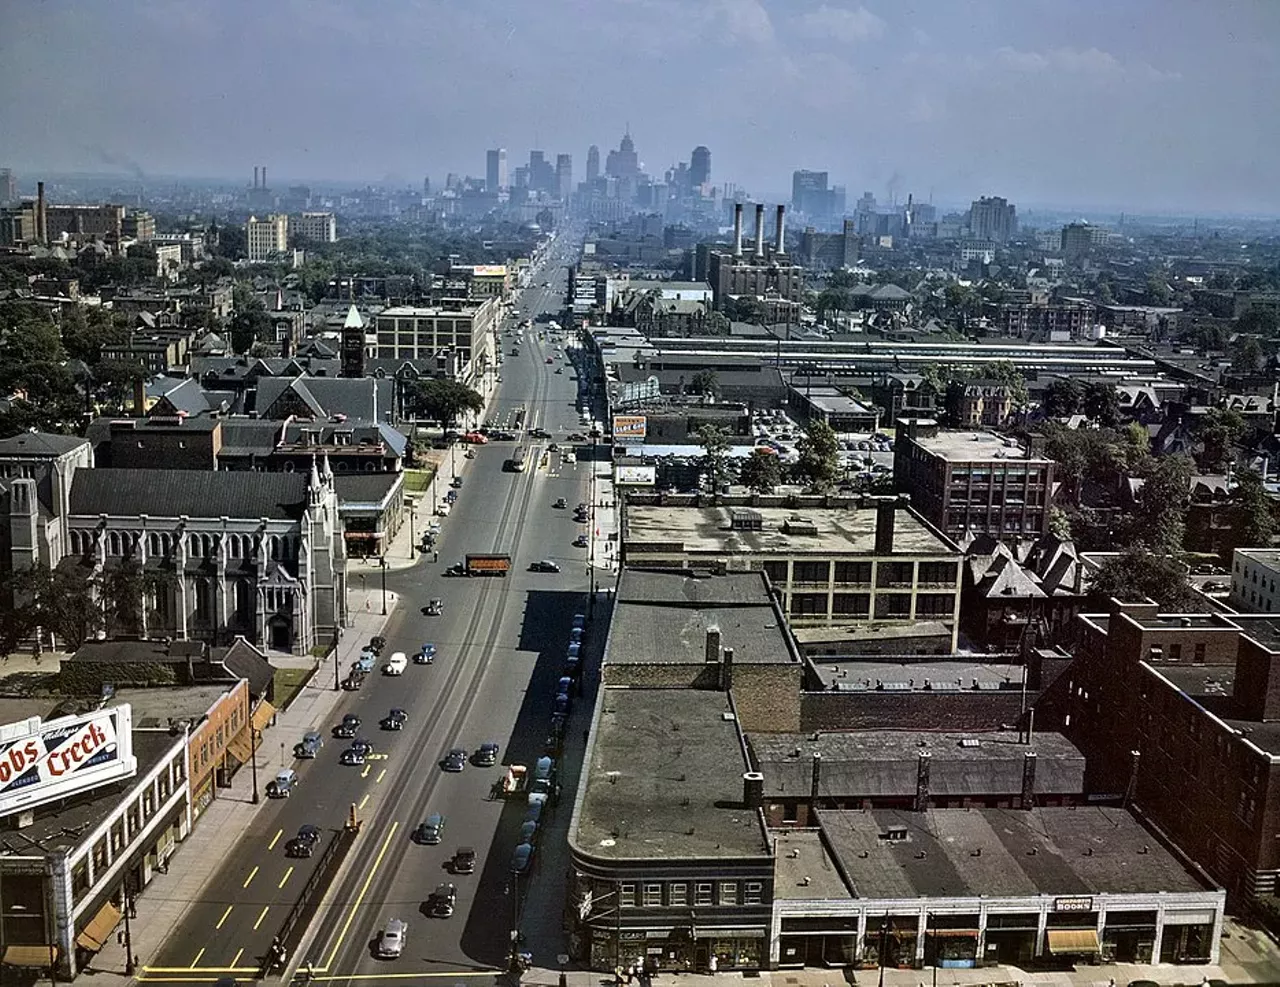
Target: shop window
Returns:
[627, 896]
[752, 892]
[702, 893]
[653, 896]
[728, 892]
[678, 894]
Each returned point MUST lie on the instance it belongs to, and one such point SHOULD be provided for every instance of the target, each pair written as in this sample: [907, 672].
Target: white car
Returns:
[443, 510]
[396, 664]
[391, 942]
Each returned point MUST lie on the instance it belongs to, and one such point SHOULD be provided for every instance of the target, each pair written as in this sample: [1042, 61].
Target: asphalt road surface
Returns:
[500, 647]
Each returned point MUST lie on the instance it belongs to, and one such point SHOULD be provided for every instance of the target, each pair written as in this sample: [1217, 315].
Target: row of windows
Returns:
[888, 606]
[859, 573]
[675, 894]
[124, 544]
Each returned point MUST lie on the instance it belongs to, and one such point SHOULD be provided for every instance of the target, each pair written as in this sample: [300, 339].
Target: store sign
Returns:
[629, 429]
[1073, 904]
[41, 762]
[636, 476]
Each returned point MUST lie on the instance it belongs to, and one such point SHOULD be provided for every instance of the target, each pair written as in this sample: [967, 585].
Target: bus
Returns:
[519, 458]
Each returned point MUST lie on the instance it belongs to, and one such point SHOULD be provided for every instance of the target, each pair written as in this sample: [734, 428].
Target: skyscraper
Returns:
[495, 169]
[700, 167]
[9, 187]
[809, 192]
[564, 176]
[624, 162]
[593, 163]
[993, 218]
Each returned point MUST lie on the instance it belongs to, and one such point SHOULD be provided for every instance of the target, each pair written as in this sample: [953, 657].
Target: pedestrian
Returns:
[435, 556]
[712, 963]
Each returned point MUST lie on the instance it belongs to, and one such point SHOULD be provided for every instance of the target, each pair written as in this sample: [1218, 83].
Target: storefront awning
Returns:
[262, 715]
[96, 933]
[36, 957]
[1073, 941]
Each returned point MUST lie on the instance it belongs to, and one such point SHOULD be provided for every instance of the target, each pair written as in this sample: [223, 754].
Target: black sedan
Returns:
[395, 720]
[455, 760]
[546, 565]
[304, 844]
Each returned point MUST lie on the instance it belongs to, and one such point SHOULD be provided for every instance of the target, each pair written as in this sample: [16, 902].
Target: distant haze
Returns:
[1145, 105]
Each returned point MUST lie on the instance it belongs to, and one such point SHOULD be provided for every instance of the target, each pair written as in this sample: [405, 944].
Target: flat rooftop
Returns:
[61, 826]
[941, 676]
[417, 311]
[965, 446]
[1269, 557]
[155, 708]
[1050, 851]
[1213, 688]
[839, 531]
[665, 779]
[831, 400]
[882, 763]
[804, 869]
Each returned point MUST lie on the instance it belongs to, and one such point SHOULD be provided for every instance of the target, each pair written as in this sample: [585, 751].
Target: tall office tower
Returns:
[624, 162]
[809, 193]
[9, 186]
[700, 167]
[993, 218]
[495, 171]
[593, 163]
[564, 175]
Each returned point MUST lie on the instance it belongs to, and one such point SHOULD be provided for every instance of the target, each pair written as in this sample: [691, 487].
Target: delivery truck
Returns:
[488, 564]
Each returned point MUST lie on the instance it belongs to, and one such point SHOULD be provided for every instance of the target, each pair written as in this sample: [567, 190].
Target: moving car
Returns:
[443, 899]
[435, 608]
[348, 728]
[365, 662]
[304, 844]
[426, 656]
[546, 565]
[352, 757]
[396, 664]
[309, 746]
[431, 831]
[580, 541]
[476, 438]
[560, 504]
[282, 785]
[487, 755]
[455, 760]
[539, 433]
[395, 720]
[391, 942]
[464, 860]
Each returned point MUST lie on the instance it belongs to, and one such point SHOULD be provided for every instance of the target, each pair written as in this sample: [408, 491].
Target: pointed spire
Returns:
[326, 473]
[313, 484]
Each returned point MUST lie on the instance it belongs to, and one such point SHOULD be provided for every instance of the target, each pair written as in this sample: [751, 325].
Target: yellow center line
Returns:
[362, 802]
[275, 839]
[238, 955]
[365, 772]
[196, 961]
[251, 876]
[224, 918]
[265, 909]
[351, 913]
[381, 774]
[285, 878]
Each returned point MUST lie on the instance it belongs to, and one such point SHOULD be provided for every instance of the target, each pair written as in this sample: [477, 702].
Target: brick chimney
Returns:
[886, 514]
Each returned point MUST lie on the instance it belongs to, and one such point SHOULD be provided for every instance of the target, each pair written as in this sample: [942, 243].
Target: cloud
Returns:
[841, 24]
[745, 20]
[1086, 63]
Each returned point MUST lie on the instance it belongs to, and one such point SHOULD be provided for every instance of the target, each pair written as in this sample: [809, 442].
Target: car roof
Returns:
[435, 819]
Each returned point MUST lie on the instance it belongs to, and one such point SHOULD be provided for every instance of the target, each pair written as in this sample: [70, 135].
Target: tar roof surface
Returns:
[804, 869]
[849, 530]
[965, 446]
[665, 779]
[63, 828]
[1053, 851]
[154, 708]
[195, 493]
[916, 676]
[884, 763]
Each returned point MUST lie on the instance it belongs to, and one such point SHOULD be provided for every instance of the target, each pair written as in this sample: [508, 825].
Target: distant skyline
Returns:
[1152, 106]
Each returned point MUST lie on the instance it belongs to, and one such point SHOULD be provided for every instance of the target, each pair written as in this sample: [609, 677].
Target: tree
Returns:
[1100, 402]
[715, 456]
[85, 331]
[832, 299]
[1061, 398]
[1059, 524]
[1252, 520]
[761, 471]
[1219, 429]
[61, 601]
[1138, 574]
[443, 400]
[249, 326]
[1246, 354]
[746, 308]
[706, 384]
[117, 380]
[819, 461]
[1008, 374]
[1158, 290]
[1160, 520]
[1259, 321]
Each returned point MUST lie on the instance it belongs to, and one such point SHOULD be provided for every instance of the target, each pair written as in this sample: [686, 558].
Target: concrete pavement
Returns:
[165, 901]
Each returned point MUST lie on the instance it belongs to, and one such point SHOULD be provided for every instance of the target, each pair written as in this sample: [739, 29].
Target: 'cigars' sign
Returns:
[62, 756]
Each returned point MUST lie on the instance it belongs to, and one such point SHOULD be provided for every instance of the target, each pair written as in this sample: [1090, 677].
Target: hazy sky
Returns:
[1136, 104]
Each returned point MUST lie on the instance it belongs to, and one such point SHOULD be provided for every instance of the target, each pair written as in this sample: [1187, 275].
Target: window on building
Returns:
[776, 571]
[895, 573]
[79, 879]
[100, 855]
[811, 572]
[851, 604]
[702, 893]
[893, 605]
[728, 892]
[1199, 653]
[117, 836]
[752, 892]
[858, 573]
[678, 894]
[653, 896]
[1175, 652]
[934, 605]
[148, 804]
[135, 819]
[627, 896]
[938, 573]
[808, 604]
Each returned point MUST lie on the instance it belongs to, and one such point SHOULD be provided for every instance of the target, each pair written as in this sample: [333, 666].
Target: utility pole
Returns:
[128, 932]
[336, 660]
[253, 749]
[383, 560]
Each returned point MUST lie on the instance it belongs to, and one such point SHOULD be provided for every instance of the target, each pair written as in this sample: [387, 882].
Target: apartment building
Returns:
[466, 330]
[317, 227]
[264, 238]
[1255, 574]
[970, 483]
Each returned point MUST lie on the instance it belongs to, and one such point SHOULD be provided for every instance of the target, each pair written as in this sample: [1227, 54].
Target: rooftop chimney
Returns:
[713, 644]
[726, 671]
[42, 215]
[816, 784]
[737, 228]
[753, 789]
[759, 229]
[779, 238]
[886, 514]
[255, 176]
[1029, 780]
[924, 761]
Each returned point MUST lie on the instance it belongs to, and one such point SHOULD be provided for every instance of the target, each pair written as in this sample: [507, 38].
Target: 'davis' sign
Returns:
[40, 762]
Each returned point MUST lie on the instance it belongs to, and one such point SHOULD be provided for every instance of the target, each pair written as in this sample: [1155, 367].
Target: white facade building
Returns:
[1255, 576]
[318, 227]
[264, 238]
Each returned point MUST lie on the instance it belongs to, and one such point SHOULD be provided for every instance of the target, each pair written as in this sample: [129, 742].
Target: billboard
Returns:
[636, 476]
[628, 429]
[41, 762]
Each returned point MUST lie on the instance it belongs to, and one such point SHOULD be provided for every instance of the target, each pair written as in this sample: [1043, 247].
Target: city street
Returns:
[500, 647]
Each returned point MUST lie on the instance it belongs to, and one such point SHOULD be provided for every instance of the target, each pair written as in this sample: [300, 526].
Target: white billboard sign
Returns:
[41, 762]
[639, 476]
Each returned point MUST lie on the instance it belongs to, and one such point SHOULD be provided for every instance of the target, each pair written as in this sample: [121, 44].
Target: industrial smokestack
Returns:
[779, 238]
[42, 215]
[759, 229]
[737, 228]
[255, 176]
[264, 176]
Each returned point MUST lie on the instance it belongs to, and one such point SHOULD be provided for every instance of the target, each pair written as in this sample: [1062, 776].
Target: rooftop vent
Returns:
[894, 834]
[969, 742]
[745, 520]
[797, 525]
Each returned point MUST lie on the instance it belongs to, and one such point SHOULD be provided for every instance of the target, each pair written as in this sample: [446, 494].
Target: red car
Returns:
[475, 438]
[549, 360]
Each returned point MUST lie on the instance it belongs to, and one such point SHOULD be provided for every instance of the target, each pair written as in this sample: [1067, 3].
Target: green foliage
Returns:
[746, 308]
[832, 300]
[1260, 321]
[86, 330]
[819, 462]
[715, 455]
[443, 400]
[1160, 520]
[1252, 517]
[1059, 524]
[126, 589]
[705, 383]
[1158, 290]
[1246, 354]
[249, 326]
[761, 471]
[1062, 398]
[59, 600]
[1138, 574]
[1219, 429]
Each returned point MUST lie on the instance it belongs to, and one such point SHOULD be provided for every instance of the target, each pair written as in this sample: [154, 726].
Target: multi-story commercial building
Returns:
[993, 218]
[317, 227]
[265, 238]
[8, 187]
[700, 167]
[80, 222]
[1080, 239]
[974, 483]
[139, 225]
[1178, 712]
[564, 176]
[461, 333]
[1051, 321]
[495, 170]
[830, 251]
[593, 164]
[1255, 574]
[880, 564]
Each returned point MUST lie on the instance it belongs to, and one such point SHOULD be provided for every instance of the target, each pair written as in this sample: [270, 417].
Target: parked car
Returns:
[487, 754]
[377, 643]
[464, 860]
[475, 438]
[391, 942]
[443, 900]
[431, 831]
[348, 728]
[309, 746]
[456, 483]
[522, 858]
[365, 662]
[455, 760]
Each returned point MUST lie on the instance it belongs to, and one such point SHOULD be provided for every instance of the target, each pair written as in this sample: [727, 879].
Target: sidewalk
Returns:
[163, 903]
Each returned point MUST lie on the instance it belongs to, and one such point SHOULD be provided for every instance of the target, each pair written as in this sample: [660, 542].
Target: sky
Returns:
[1143, 105]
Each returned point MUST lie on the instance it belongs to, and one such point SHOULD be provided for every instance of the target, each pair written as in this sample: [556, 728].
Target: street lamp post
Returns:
[413, 511]
[383, 560]
[253, 750]
[128, 932]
